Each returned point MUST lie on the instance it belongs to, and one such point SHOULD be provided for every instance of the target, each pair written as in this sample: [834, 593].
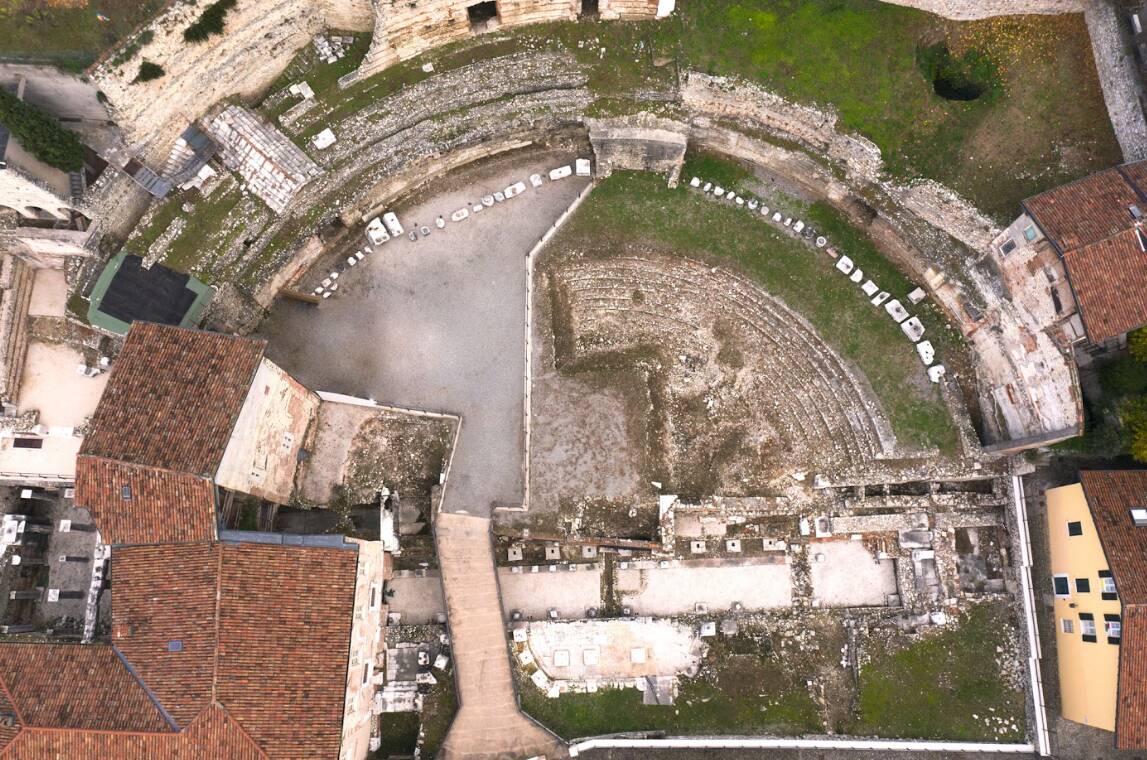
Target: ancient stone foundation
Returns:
[641, 142]
[403, 29]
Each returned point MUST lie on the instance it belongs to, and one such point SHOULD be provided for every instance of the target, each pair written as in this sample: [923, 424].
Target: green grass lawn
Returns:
[72, 37]
[933, 688]
[1048, 124]
[744, 688]
[209, 232]
[631, 211]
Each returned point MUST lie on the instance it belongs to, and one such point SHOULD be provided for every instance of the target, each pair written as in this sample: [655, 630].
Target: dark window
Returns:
[175, 645]
[28, 443]
[1008, 247]
[480, 13]
[1082, 586]
[1062, 588]
[365, 673]
[1075, 528]
[589, 7]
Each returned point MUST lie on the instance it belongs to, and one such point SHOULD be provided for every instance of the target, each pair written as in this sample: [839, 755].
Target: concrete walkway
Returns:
[488, 723]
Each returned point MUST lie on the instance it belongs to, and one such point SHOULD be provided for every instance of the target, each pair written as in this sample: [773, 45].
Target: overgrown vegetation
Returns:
[745, 687]
[149, 71]
[1047, 123]
[131, 49]
[972, 76]
[947, 685]
[1116, 423]
[636, 211]
[41, 134]
[210, 22]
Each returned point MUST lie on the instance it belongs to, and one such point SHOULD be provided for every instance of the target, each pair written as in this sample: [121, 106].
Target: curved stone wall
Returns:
[260, 39]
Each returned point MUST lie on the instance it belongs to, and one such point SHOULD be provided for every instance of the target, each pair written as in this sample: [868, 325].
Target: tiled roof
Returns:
[173, 397]
[1131, 700]
[76, 686]
[166, 594]
[276, 645]
[1091, 224]
[1110, 283]
[212, 736]
[1086, 211]
[158, 506]
[1110, 496]
[285, 620]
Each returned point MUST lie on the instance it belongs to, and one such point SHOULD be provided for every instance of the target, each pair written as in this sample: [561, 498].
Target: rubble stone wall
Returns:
[403, 29]
[259, 41]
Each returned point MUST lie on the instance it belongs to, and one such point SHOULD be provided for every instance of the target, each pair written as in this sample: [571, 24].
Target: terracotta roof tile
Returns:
[283, 635]
[164, 506]
[1131, 704]
[214, 735]
[1110, 283]
[166, 594]
[1110, 496]
[1090, 222]
[284, 645]
[1088, 210]
[173, 398]
[76, 686]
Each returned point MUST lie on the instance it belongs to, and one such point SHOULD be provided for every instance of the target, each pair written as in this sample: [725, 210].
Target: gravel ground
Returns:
[439, 323]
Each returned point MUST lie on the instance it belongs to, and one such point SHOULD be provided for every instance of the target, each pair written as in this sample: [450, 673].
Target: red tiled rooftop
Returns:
[76, 686]
[273, 650]
[1111, 494]
[1110, 283]
[173, 397]
[213, 735]
[1091, 224]
[159, 506]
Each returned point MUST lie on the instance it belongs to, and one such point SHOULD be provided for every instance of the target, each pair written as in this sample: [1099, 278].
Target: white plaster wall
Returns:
[374, 568]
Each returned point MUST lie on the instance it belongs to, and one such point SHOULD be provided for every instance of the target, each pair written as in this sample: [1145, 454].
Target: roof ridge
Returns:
[227, 714]
[146, 689]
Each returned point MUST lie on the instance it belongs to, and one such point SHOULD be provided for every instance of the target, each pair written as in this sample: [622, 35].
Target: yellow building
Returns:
[1096, 533]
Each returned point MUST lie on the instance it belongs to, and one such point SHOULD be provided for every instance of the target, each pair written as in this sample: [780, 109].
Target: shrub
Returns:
[41, 135]
[149, 71]
[1137, 343]
[210, 22]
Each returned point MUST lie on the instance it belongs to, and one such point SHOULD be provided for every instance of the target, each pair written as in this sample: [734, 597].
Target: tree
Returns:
[149, 71]
[210, 22]
[41, 134]
[1137, 343]
[1135, 420]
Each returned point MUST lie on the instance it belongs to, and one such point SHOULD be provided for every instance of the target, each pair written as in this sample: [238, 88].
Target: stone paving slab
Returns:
[488, 723]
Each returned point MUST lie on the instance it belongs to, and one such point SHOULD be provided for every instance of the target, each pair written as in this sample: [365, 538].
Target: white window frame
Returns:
[1107, 585]
[1108, 625]
[1066, 577]
[1067, 625]
[1084, 625]
[1034, 233]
